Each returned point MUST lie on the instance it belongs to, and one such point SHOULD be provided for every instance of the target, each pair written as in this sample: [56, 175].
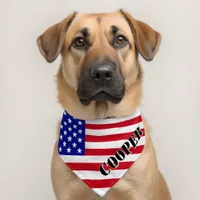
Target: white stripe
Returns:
[100, 191]
[110, 145]
[114, 120]
[97, 175]
[112, 131]
[95, 159]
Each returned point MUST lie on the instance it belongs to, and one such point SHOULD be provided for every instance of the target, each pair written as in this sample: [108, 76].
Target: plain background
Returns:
[29, 109]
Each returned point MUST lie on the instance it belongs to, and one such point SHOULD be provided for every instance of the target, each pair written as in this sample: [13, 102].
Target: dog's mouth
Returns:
[102, 96]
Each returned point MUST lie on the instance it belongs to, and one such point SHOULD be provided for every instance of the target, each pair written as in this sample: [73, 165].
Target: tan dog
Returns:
[103, 49]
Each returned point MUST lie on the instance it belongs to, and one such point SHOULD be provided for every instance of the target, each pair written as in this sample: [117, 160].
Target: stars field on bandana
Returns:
[72, 136]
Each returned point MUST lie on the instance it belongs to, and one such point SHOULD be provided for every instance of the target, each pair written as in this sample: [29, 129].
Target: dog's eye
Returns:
[120, 41]
[79, 42]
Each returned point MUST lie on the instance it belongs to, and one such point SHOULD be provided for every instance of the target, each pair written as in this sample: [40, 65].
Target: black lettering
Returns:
[103, 171]
[133, 141]
[120, 155]
[138, 133]
[126, 147]
[113, 162]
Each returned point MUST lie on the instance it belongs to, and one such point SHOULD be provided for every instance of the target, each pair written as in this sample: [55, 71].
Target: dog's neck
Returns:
[99, 107]
[100, 110]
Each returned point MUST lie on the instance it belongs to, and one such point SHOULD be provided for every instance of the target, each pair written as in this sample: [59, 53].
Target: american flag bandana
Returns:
[100, 151]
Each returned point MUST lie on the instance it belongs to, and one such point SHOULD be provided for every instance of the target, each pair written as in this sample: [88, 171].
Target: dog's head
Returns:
[99, 58]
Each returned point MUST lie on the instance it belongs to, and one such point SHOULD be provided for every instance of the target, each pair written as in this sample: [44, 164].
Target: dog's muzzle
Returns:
[101, 82]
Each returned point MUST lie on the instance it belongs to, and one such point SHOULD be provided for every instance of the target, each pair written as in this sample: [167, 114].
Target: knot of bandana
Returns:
[100, 151]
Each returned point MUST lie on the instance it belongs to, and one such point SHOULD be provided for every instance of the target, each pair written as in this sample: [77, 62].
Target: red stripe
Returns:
[96, 166]
[107, 183]
[114, 125]
[108, 138]
[108, 152]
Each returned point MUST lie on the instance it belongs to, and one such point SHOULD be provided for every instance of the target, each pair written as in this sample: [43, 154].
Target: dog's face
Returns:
[100, 53]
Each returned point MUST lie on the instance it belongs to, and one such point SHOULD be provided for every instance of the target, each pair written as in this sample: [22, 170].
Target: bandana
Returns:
[100, 151]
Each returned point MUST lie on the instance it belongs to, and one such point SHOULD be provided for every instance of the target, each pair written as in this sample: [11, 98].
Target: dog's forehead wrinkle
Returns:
[98, 19]
[114, 29]
[85, 31]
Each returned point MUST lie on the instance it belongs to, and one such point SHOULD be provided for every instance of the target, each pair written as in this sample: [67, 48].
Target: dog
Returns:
[100, 77]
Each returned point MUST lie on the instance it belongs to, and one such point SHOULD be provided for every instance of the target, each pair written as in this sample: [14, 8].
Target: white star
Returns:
[69, 128]
[64, 113]
[65, 123]
[79, 150]
[69, 120]
[74, 134]
[61, 126]
[79, 123]
[61, 137]
[74, 145]
[64, 144]
[80, 131]
[65, 132]
[79, 140]
[69, 150]
[69, 139]
[60, 149]
[75, 126]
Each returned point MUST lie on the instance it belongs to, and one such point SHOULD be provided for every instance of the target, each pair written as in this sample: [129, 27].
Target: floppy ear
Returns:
[51, 41]
[147, 40]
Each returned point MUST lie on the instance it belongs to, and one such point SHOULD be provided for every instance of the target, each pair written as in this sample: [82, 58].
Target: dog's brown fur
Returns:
[143, 181]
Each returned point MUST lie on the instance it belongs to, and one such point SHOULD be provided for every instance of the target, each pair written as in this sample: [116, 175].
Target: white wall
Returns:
[29, 110]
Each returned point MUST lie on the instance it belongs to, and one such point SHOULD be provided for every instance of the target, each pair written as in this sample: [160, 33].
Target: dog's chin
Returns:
[101, 96]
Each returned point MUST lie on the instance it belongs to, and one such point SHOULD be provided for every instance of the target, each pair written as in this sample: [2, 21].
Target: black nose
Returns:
[102, 73]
